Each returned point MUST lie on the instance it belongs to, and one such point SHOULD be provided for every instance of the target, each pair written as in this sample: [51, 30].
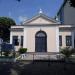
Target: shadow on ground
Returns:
[37, 68]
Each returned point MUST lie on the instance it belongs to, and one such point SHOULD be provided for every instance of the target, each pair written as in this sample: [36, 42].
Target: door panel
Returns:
[41, 44]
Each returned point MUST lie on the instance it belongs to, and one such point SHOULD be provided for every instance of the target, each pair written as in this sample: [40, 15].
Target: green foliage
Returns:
[22, 50]
[72, 3]
[18, 0]
[67, 52]
[5, 23]
[7, 53]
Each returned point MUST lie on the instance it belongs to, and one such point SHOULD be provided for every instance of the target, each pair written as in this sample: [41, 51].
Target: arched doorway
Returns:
[41, 41]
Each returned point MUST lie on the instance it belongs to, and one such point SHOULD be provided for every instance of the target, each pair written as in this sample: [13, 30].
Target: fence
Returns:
[40, 56]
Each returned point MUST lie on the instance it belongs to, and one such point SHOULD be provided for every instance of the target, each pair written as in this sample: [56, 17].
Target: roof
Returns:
[40, 15]
[63, 4]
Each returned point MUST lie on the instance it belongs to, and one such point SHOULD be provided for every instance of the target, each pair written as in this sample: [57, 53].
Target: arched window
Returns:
[41, 34]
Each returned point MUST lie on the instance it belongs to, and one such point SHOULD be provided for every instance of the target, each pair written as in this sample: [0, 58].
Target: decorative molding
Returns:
[57, 39]
[16, 29]
[40, 15]
[25, 38]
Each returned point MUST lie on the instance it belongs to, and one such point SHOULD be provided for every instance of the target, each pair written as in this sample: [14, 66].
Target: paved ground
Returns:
[37, 68]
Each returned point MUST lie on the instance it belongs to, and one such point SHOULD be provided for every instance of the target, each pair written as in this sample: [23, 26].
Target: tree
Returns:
[18, 0]
[72, 3]
[5, 23]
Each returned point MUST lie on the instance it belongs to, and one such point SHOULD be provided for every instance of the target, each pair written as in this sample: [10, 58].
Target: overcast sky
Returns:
[26, 9]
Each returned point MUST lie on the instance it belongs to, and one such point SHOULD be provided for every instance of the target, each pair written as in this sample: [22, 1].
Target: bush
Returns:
[7, 53]
[22, 50]
[67, 52]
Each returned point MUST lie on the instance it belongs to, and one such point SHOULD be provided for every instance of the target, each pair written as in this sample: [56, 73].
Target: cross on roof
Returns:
[40, 11]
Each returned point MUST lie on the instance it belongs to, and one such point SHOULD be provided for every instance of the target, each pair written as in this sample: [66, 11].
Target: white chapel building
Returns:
[42, 34]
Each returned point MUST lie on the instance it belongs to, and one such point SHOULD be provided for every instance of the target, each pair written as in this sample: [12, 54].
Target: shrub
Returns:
[22, 50]
[67, 52]
[7, 53]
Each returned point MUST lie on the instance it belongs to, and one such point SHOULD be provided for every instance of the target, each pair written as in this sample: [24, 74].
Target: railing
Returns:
[40, 56]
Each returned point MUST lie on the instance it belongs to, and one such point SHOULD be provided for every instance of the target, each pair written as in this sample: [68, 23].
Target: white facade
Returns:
[41, 34]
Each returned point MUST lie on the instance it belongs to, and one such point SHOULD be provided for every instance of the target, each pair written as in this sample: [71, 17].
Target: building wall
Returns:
[67, 14]
[52, 38]
[41, 20]
[16, 33]
[52, 32]
[65, 33]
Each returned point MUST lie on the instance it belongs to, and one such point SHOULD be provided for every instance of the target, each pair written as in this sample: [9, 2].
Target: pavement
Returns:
[37, 68]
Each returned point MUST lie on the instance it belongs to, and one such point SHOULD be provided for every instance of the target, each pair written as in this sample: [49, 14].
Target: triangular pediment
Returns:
[41, 19]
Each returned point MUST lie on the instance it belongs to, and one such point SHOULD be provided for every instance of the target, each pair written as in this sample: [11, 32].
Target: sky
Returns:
[25, 9]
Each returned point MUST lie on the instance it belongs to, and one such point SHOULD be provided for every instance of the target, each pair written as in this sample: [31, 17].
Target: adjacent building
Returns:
[66, 13]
